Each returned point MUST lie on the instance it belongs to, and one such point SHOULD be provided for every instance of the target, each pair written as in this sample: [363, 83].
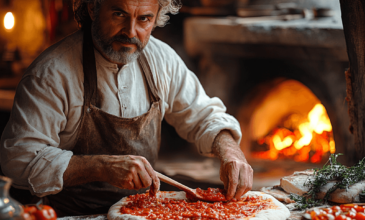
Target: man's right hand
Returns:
[126, 171]
[130, 172]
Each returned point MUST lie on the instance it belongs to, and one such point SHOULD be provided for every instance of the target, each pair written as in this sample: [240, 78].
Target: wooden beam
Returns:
[353, 19]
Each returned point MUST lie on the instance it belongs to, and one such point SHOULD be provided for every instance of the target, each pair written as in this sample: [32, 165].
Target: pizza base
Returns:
[279, 213]
[277, 193]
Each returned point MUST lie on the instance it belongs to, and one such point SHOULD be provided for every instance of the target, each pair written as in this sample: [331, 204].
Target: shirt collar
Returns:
[104, 62]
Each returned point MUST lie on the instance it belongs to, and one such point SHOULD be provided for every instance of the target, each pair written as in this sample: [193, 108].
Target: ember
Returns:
[307, 141]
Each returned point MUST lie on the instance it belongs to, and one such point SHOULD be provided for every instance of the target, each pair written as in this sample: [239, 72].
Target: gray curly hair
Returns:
[83, 19]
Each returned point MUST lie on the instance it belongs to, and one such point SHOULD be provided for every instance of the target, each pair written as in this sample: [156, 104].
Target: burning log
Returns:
[353, 19]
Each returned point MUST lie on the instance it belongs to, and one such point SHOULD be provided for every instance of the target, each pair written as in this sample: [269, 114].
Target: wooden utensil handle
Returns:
[172, 182]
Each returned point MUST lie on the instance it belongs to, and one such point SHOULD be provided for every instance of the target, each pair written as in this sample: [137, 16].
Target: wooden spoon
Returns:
[191, 193]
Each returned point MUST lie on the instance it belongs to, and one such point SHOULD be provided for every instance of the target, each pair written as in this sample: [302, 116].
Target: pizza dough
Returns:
[279, 213]
[278, 193]
[295, 184]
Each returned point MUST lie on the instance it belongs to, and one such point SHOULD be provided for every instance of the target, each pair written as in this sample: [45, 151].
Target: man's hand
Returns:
[126, 171]
[130, 172]
[235, 172]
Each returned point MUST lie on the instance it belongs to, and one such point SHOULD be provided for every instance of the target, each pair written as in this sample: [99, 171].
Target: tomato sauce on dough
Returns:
[163, 208]
[212, 194]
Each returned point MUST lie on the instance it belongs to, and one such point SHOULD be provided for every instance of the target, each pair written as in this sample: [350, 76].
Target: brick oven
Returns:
[267, 72]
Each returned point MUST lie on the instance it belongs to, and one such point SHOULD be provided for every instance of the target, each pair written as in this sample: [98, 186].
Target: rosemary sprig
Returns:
[332, 170]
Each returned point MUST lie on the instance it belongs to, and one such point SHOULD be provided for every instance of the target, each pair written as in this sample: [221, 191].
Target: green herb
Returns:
[304, 202]
[332, 170]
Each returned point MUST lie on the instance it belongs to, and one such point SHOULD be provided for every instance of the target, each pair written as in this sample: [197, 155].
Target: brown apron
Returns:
[101, 133]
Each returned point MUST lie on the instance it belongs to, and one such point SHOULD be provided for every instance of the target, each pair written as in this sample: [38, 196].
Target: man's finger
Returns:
[145, 177]
[130, 185]
[137, 181]
[233, 176]
[155, 187]
[242, 187]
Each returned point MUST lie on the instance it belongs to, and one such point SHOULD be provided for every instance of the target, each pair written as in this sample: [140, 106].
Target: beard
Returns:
[122, 55]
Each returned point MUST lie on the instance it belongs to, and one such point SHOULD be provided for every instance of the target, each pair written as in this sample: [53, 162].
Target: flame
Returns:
[9, 21]
[313, 135]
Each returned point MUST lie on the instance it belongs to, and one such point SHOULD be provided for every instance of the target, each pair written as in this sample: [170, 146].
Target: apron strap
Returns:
[152, 90]
[89, 66]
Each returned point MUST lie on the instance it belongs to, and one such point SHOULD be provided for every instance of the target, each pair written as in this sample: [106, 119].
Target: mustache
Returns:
[126, 40]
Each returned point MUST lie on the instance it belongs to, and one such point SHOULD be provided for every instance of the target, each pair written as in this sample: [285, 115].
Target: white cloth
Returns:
[36, 145]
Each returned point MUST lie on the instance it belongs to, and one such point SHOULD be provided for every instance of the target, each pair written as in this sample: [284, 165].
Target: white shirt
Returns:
[36, 145]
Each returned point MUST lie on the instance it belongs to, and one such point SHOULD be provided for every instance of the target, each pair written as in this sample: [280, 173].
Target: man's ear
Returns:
[90, 9]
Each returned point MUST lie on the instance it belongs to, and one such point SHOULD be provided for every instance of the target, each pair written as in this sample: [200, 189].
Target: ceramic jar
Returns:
[9, 208]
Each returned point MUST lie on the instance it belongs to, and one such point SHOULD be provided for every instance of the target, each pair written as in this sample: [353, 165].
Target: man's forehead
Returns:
[133, 2]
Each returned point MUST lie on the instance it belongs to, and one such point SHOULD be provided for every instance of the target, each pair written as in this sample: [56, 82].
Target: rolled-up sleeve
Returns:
[29, 144]
[195, 116]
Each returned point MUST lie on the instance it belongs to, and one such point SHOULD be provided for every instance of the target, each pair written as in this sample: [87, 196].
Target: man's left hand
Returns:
[235, 172]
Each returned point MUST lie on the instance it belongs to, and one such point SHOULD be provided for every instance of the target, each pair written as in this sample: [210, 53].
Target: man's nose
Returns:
[129, 28]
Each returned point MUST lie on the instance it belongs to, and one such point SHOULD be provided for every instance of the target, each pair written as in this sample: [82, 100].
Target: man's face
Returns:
[121, 28]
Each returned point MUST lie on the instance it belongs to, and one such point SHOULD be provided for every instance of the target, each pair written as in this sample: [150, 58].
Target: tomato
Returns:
[351, 214]
[30, 209]
[336, 208]
[342, 217]
[360, 209]
[41, 212]
[351, 205]
[45, 213]
[360, 216]
[330, 217]
[28, 216]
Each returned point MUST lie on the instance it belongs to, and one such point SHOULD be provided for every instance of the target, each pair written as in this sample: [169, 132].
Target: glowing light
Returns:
[9, 21]
[314, 134]
[319, 120]
[332, 147]
[306, 131]
[279, 145]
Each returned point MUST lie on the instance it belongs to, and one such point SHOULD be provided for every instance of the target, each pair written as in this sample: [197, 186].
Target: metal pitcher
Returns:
[9, 208]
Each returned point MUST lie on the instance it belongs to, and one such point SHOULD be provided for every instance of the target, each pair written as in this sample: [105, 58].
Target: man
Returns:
[85, 125]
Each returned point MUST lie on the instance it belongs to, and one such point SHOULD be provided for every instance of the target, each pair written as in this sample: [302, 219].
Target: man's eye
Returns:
[143, 19]
[120, 14]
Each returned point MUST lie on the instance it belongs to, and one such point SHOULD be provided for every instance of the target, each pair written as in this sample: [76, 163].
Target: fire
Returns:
[9, 21]
[309, 141]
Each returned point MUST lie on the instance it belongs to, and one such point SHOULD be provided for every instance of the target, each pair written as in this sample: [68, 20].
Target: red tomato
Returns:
[336, 208]
[328, 210]
[28, 216]
[348, 207]
[360, 209]
[360, 216]
[42, 212]
[341, 217]
[46, 213]
[351, 214]
[30, 209]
